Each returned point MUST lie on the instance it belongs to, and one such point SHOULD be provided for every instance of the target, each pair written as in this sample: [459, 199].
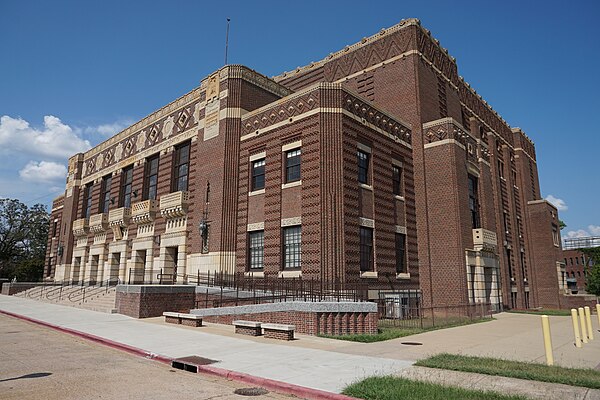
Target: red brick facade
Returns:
[465, 224]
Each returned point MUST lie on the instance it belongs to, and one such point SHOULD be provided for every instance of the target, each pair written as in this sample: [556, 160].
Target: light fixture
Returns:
[134, 193]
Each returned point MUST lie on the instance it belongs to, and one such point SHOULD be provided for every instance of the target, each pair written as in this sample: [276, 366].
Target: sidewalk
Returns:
[324, 364]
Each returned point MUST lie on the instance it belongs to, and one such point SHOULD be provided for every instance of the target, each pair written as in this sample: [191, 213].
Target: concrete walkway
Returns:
[330, 365]
[312, 368]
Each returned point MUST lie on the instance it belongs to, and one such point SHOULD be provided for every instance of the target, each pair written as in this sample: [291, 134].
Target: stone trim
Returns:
[257, 226]
[291, 184]
[443, 142]
[290, 306]
[369, 274]
[257, 156]
[256, 192]
[369, 223]
[400, 229]
[291, 221]
[290, 274]
[291, 146]
[364, 147]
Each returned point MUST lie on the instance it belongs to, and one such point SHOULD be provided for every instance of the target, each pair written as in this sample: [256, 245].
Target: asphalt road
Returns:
[39, 363]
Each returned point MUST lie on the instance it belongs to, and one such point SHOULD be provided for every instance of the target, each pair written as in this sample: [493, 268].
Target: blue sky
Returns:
[72, 73]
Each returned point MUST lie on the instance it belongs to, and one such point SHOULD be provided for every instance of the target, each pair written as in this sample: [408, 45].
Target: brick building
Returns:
[377, 164]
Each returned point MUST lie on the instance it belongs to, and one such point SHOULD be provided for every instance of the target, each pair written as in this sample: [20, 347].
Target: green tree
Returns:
[593, 277]
[561, 224]
[23, 238]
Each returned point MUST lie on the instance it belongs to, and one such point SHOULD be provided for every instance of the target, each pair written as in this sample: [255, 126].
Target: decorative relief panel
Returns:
[295, 105]
[448, 128]
[211, 119]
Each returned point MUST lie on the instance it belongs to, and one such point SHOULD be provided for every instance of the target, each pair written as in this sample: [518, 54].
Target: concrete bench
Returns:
[183, 319]
[171, 317]
[279, 331]
[251, 328]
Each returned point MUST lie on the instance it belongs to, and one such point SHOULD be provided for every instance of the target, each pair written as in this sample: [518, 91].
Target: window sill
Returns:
[398, 197]
[291, 184]
[290, 274]
[365, 186]
[403, 275]
[255, 274]
[256, 192]
[369, 274]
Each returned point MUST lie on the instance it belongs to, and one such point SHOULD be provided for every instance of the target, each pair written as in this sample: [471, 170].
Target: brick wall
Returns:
[152, 301]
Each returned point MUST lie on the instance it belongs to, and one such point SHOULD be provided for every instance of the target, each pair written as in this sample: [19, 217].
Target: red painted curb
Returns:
[271, 384]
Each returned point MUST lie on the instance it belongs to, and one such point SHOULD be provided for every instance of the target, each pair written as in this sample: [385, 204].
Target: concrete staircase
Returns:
[95, 298]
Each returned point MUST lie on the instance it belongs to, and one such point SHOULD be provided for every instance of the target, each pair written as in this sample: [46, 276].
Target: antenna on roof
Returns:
[227, 40]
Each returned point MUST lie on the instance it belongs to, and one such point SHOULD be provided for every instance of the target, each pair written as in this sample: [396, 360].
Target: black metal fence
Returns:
[404, 309]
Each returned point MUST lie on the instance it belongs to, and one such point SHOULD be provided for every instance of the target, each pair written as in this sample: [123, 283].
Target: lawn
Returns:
[560, 313]
[392, 388]
[392, 332]
[589, 378]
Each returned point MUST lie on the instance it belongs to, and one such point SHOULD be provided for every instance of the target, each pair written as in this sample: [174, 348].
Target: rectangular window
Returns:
[397, 180]
[401, 253]
[181, 167]
[54, 228]
[256, 249]
[366, 249]
[258, 174]
[363, 166]
[126, 183]
[501, 169]
[505, 221]
[151, 178]
[292, 165]
[292, 247]
[555, 237]
[87, 201]
[105, 194]
[474, 202]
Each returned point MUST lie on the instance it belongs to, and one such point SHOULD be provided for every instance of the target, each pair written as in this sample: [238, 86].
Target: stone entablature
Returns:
[80, 227]
[99, 223]
[445, 129]
[144, 212]
[484, 239]
[174, 205]
[309, 100]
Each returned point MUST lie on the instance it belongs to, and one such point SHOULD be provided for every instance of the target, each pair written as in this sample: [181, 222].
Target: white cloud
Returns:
[108, 129]
[54, 140]
[592, 230]
[558, 203]
[577, 234]
[43, 172]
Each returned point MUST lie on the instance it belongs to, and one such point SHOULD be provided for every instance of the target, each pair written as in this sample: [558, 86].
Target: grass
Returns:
[515, 369]
[392, 388]
[560, 313]
[389, 332]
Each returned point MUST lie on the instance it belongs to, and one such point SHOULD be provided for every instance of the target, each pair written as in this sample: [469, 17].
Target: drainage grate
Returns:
[191, 363]
[254, 391]
[412, 343]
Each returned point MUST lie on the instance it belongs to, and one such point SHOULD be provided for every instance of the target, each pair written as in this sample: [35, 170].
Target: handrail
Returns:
[92, 290]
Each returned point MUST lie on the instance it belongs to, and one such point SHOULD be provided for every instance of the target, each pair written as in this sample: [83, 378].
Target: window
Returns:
[474, 202]
[151, 178]
[54, 228]
[258, 174]
[105, 194]
[363, 166]
[505, 221]
[366, 249]
[400, 253]
[87, 201]
[181, 167]
[397, 180]
[577, 260]
[256, 249]
[292, 237]
[501, 169]
[292, 165]
[126, 182]
[555, 238]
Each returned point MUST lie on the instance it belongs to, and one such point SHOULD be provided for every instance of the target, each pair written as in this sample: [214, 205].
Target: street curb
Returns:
[271, 384]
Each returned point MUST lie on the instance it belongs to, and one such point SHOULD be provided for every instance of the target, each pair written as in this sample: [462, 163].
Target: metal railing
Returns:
[88, 290]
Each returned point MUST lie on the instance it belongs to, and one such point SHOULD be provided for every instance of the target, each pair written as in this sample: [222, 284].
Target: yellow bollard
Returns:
[598, 312]
[584, 337]
[547, 340]
[575, 327]
[588, 320]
